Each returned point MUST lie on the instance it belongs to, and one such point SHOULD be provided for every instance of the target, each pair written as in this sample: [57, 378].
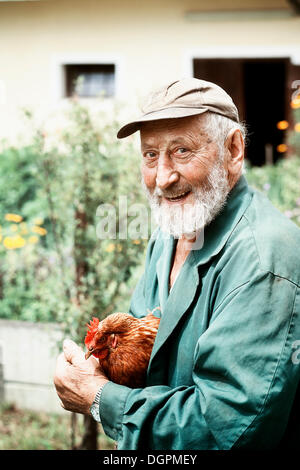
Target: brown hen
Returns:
[123, 345]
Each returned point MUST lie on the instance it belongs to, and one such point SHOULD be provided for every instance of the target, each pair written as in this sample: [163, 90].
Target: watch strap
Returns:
[94, 409]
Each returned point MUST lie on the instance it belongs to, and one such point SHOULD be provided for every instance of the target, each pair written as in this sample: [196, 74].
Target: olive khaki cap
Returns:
[186, 97]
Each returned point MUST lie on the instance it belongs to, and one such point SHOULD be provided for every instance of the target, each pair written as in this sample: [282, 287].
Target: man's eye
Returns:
[150, 154]
[181, 150]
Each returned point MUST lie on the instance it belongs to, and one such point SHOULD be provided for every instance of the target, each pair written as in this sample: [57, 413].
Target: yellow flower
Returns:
[14, 242]
[0, 237]
[8, 243]
[136, 242]
[110, 248]
[40, 230]
[297, 127]
[38, 221]
[20, 241]
[33, 239]
[14, 228]
[13, 217]
[119, 247]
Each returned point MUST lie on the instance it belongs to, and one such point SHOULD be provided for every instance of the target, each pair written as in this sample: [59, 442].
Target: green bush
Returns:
[294, 135]
[70, 169]
[41, 430]
[280, 183]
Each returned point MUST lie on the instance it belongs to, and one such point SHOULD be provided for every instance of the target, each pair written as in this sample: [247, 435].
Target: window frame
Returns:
[57, 72]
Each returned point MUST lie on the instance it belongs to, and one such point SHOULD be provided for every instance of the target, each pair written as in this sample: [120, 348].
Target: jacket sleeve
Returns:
[244, 380]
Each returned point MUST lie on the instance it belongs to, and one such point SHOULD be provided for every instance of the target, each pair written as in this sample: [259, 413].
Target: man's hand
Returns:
[76, 379]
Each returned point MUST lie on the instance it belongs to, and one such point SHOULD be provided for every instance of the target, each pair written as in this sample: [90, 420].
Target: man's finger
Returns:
[73, 353]
[61, 364]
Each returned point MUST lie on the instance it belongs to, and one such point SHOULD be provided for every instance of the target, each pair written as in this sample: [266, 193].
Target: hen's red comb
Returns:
[92, 328]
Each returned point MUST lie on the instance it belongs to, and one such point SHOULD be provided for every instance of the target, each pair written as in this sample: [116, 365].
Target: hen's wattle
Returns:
[123, 345]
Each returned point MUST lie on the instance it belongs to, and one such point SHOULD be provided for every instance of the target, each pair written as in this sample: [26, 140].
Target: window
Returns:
[90, 80]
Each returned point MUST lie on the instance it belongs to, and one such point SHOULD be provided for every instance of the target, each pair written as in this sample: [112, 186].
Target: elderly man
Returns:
[224, 369]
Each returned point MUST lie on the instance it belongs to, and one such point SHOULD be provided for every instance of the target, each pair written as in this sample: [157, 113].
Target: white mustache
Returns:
[158, 192]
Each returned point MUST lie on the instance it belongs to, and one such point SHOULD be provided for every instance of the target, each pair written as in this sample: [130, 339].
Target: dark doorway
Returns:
[264, 90]
[258, 88]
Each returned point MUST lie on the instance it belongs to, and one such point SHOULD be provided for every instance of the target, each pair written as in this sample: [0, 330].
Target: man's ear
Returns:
[234, 155]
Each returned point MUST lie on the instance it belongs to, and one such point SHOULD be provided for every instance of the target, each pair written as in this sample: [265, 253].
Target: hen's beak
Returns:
[89, 353]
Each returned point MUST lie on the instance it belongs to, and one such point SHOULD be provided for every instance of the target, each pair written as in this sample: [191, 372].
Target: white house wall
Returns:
[150, 43]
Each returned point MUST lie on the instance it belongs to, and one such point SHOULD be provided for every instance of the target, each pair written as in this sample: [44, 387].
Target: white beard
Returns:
[189, 219]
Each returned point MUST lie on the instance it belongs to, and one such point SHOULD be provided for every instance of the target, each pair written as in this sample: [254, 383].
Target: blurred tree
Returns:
[73, 166]
[19, 183]
[280, 182]
[294, 134]
[81, 168]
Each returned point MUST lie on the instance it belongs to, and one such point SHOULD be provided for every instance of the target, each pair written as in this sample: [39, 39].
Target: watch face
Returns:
[95, 412]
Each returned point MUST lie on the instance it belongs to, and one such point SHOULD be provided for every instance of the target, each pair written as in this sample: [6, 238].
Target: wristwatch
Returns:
[94, 409]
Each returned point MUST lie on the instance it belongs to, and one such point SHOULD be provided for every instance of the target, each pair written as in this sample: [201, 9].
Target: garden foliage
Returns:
[66, 273]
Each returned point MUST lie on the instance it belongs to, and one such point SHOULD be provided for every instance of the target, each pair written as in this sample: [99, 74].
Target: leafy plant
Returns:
[73, 165]
[294, 134]
[280, 183]
[72, 275]
[81, 169]
[40, 431]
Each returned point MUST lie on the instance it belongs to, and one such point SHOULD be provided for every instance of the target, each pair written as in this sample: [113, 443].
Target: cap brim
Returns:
[169, 113]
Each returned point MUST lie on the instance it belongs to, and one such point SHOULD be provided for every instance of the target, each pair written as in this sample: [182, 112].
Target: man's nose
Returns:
[166, 173]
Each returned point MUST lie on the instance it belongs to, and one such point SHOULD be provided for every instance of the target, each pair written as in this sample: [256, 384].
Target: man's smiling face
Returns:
[177, 157]
[183, 174]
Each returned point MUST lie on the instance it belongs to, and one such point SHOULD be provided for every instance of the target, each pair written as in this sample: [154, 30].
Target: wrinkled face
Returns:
[183, 174]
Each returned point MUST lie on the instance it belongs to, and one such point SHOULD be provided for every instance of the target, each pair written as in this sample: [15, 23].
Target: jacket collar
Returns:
[178, 301]
[215, 235]
[220, 229]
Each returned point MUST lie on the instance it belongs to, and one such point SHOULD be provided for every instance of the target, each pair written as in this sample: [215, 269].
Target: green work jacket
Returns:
[224, 369]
